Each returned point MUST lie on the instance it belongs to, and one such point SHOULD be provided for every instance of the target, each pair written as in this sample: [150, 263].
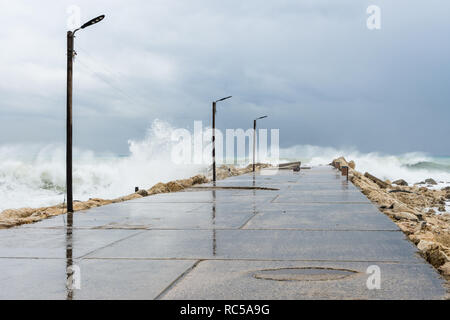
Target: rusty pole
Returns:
[345, 171]
[254, 140]
[214, 140]
[254, 143]
[70, 54]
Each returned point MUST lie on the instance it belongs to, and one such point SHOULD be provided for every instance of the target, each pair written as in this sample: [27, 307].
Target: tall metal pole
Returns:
[214, 140]
[70, 37]
[254, 143]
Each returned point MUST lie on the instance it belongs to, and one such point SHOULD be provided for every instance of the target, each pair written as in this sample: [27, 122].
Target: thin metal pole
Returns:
[70, 51]
[254, 143]
[214, 140]
[69, 257]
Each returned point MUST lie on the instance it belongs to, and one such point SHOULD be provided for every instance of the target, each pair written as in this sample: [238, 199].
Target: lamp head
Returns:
[224, 98]
[93, 21]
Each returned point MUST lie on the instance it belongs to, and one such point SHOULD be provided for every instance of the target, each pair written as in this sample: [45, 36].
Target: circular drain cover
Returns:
[303, 274]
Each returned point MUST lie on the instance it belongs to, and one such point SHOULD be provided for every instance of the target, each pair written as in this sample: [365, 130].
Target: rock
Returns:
[431, 211]
[447, 196]
[352, 164]
[400, 182]
[379, 182]
[421, 182]
[420, 226]
[159, 188]
[436, 257]
[198, 179]
[446, 189]
[425, 245]
[407, 227]
[442, 209]
[142, 192]
[445, 270]
[174, 186]
[432, 252]
[401, 207]
[130, 197]
[398, 190]
[430, 181]
[403, 215]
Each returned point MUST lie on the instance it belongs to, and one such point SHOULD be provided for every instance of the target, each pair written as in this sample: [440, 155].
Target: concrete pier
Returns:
[315, 236]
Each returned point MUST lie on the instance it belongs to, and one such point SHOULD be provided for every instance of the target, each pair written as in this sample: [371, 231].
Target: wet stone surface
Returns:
[314, 237]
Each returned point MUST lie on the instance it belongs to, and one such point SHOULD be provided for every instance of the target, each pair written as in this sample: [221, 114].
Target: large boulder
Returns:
[407, 227]
[142, 192]
[343, 162]
[158, 188]
[130, 197]
[430, 181]
[198, 179]
[432, 252]
[379, 182]
[445, 270]
[352, 164]
[403, 216]
[174, 186]
[400, 182]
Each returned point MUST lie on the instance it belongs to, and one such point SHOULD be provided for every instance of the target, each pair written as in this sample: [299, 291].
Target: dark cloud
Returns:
[312, 66]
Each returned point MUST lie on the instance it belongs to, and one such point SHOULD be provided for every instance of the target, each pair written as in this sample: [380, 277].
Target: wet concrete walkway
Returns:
[314, 237]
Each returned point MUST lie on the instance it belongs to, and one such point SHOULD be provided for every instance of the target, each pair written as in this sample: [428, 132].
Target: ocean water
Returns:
[34, 175]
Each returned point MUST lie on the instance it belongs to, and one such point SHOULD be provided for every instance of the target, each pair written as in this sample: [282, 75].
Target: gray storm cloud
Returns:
[312, 66]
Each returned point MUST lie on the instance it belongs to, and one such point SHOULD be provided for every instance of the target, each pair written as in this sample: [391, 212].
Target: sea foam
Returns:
[34, 175]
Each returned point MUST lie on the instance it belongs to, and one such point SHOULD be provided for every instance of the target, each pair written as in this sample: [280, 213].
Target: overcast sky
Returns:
[313, 66]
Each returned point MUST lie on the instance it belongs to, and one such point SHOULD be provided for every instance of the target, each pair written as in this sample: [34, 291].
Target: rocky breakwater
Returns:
[14, 217]
[410, 207]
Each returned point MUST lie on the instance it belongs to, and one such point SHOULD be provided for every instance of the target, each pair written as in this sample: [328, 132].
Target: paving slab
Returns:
[53, 243]
[264, 244]
[33, 279]
[320, 216]
[131, 215]
[99, 279]
[111, 213]
[238, 280]
[293, 196]
[128, 279]
[343, 186]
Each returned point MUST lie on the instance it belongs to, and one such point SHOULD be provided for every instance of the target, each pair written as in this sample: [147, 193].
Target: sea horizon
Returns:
[39, 172]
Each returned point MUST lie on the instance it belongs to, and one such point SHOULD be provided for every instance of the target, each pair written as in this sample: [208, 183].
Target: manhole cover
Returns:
[303, 274]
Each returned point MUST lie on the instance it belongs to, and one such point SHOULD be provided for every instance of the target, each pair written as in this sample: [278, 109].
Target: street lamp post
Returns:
[214, 136]
[70, 56]
[254, 139]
